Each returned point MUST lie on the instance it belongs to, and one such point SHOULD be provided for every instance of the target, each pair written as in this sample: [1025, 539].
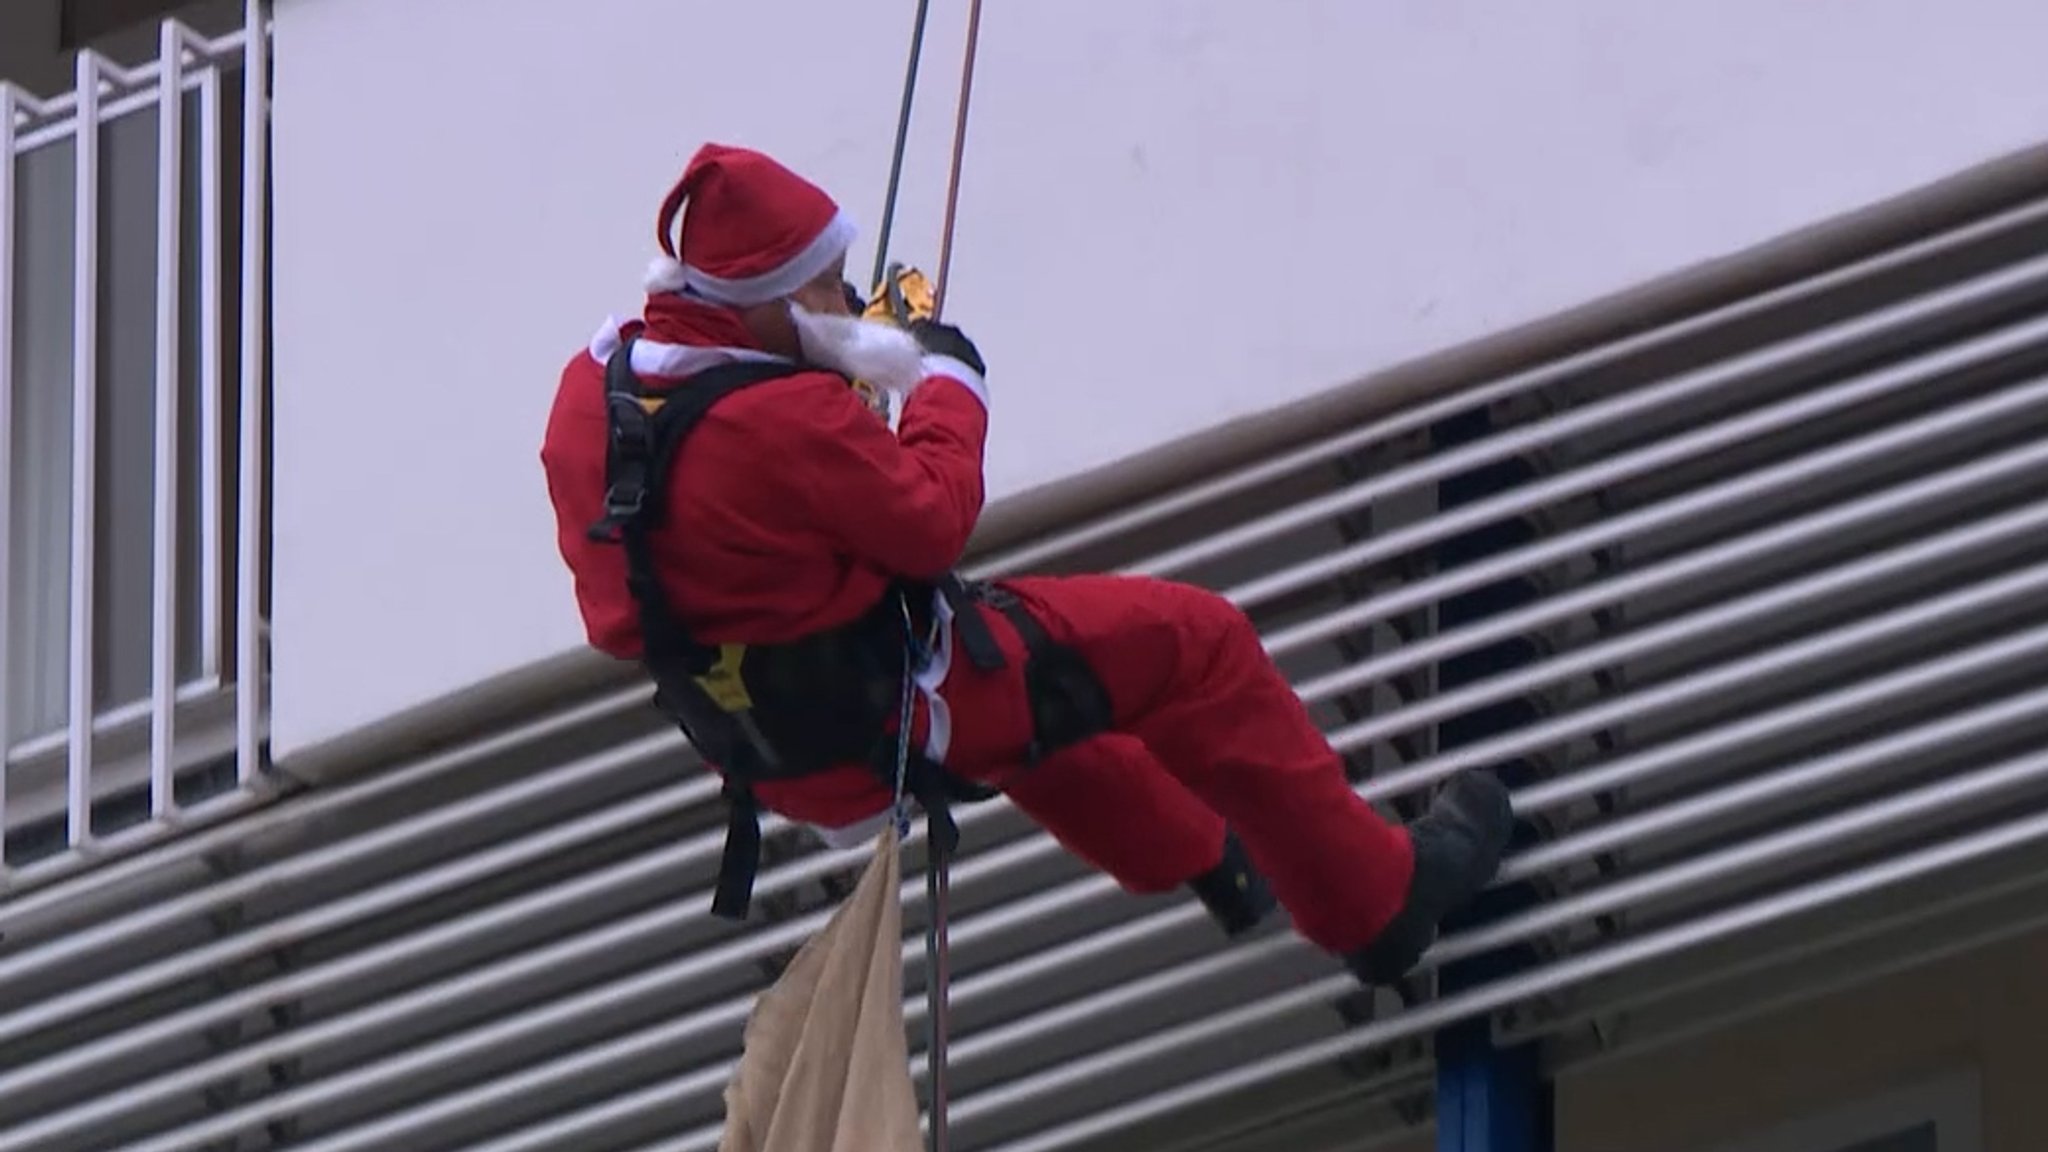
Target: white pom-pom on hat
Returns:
[665, 274]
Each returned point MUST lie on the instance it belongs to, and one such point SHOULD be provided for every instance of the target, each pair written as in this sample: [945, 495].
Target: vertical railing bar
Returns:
[7, 162]
[164, 571]
[211, 379]
[249, 536]
[84, 416]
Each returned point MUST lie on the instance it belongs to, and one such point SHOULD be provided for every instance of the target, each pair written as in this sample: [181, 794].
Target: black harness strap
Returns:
[645, 435]
[975, 639]
[740, 862]
[1068, 702]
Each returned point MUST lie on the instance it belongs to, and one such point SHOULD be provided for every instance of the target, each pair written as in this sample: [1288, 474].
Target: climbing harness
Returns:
[959, 157]
[764, 712]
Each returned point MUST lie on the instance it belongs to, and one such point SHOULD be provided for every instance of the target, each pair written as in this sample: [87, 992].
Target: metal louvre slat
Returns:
[1889, 933]
[1648, 948]
[1787, 628]
[1905, 261]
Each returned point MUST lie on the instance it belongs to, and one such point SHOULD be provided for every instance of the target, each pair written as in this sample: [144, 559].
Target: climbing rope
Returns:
[959, 155]
[956, 163]
[902, 142]
[938, 976]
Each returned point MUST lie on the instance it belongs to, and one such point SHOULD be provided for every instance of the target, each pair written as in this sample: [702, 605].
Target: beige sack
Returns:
[826, 1066]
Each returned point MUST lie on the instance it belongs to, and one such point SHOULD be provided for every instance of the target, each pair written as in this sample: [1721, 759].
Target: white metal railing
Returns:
[129, 667]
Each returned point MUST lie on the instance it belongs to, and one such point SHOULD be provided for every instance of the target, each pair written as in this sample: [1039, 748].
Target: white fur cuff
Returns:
[953, 369]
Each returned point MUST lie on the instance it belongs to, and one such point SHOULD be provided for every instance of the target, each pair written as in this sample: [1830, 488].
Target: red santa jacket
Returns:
[791, 509]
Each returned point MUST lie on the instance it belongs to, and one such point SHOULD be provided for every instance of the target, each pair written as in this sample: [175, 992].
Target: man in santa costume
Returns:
[791, 512]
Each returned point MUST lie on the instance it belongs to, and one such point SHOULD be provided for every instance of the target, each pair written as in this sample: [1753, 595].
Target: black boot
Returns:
[1233, 891]
[1458, 847]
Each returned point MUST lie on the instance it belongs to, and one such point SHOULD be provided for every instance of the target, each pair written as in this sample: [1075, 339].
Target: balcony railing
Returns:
[134, 385]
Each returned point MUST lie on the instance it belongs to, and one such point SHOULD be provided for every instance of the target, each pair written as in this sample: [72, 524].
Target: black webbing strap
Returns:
[740, 863]
[646, 431]
[972, 631]
[936, 791]
[1068, 702]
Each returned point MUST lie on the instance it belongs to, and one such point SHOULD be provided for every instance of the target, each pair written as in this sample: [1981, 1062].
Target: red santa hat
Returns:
[755, 231]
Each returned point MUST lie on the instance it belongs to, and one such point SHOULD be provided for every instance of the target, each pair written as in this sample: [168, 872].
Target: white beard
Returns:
[879, 353]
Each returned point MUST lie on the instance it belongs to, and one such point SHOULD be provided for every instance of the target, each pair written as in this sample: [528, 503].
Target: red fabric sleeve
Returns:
[904, 502]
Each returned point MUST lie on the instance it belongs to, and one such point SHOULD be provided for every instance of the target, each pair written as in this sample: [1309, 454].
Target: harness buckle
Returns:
[623, 503]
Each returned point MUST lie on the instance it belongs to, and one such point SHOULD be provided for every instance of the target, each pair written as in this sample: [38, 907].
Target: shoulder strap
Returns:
[645, 430]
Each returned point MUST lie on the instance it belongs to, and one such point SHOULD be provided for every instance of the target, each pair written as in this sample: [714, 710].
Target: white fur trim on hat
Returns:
[666, 274]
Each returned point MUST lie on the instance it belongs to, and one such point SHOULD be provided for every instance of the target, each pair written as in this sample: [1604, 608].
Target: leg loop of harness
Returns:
[1068, 705]
[1068, 702]
[968, 626]
[935, 789]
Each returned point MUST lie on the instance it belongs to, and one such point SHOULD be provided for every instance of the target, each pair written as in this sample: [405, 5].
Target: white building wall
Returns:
[1175, 213]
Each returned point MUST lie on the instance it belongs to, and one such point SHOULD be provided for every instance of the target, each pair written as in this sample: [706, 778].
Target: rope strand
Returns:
[959, 156]
[902, 142]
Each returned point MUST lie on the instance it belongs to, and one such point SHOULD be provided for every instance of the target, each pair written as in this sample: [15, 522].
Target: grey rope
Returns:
[902, 142]
[938, 975]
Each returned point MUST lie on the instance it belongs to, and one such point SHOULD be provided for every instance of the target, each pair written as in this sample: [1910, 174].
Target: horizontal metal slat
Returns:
[1751, 792]
[646, 869]
[1354, 1115]
[1447, 1010]
[1881, 815]
[37, 893]
[1847, 638]
[645, 1105]
[1960, 302]
[1891, 810]
[2007, 467]
[18, 1084]
[1903, 929]
[2028, 336]
[49, 1012]
[1875, 268]
[1896, 687]
[381, 842]
[1813, 591]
